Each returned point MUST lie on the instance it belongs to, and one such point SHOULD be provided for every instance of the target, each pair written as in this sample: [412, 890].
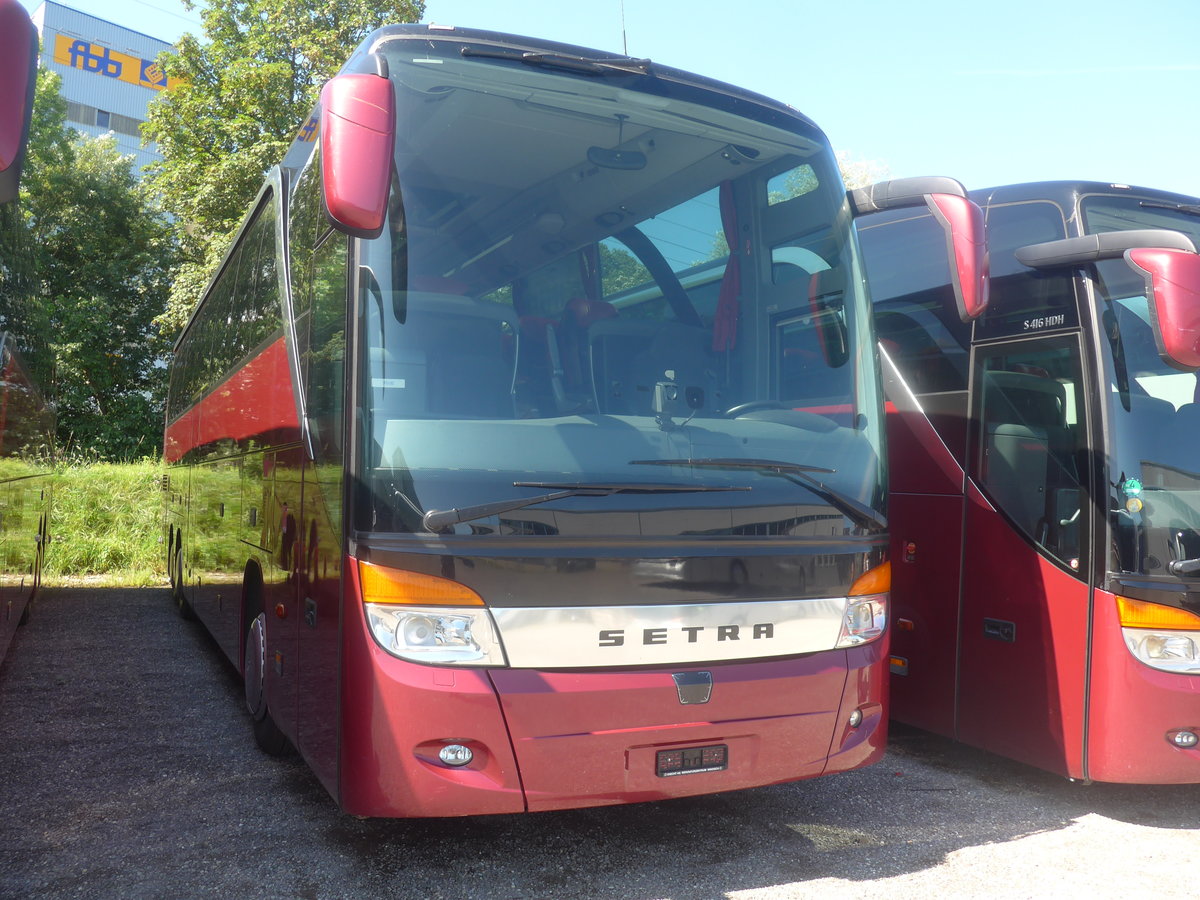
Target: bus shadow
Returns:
[125, 727]
[927, 799]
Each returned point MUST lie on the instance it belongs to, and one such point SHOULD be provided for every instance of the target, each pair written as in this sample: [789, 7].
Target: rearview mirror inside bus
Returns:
[961, 220]
[1168, 263]
[358, 127]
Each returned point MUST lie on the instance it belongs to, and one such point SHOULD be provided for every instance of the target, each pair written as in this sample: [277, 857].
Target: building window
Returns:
[81, 113]
[125, 125]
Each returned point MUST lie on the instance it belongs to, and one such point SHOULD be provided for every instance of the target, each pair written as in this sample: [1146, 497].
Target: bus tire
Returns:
[267, 734]
[170, 561]
[181, 602]
[39, 555]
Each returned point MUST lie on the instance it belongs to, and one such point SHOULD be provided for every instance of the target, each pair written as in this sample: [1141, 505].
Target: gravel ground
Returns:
[127, 769]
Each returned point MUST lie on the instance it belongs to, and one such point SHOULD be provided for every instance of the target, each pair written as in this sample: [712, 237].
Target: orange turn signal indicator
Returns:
[382, 584]
[873, 581]
[1140, 614]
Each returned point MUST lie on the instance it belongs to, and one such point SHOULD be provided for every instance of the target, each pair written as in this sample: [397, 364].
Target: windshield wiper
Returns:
[1180, 565]
[1190, 209]
[607, 66]
[1187, 567]
[794, 472]
[437, 520]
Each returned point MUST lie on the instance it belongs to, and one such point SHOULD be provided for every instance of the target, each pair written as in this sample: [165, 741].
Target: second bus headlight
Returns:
[865, 620]
[1163, 637]
[866, 607]
[427, 619]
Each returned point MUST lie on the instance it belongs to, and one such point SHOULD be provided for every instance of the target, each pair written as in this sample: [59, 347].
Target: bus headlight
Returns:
[1166, 650]
[431, 635]
[1169, 646]
[1163, 637]
[865, 620]
[866, 607]
[428, 619]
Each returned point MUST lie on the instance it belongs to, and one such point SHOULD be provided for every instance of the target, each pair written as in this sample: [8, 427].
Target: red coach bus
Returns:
[1045, 505]
[26, 423]
[504, 483]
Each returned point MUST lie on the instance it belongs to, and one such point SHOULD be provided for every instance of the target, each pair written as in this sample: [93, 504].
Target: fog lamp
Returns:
[1184, 739]
[856, 718]
[455, 755]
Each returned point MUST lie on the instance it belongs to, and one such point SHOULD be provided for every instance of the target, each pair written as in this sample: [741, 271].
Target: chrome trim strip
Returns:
[573, 637]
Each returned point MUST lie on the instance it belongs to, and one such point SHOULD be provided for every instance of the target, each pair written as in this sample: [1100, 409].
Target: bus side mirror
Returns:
[961, 220]
[1173, 288]
[18, 74]
[358, 131]
[966, 245]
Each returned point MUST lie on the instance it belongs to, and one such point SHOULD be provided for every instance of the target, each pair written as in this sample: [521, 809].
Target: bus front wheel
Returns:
[266, 733]
[177, 594]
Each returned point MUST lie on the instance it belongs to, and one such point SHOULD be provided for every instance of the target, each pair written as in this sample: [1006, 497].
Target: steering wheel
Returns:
[742, 408]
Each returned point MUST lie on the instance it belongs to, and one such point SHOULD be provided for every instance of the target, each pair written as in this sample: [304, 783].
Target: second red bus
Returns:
[1045, 483]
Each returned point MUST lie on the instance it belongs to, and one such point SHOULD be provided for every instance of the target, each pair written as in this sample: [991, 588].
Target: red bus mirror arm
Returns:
[358, 132]
[962, 221]
[1173, 287]
[18, 75]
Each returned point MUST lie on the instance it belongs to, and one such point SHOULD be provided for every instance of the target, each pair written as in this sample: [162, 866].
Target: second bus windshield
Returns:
[1153, 416]
[554, 304]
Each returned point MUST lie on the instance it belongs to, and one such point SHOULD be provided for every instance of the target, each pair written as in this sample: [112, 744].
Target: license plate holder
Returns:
[691, 760]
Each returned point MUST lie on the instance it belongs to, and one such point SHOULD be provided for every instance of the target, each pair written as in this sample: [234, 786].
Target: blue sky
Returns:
[990, 93]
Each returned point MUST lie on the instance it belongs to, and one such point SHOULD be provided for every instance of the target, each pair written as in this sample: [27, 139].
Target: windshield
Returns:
[553, 308]
[1153, 416]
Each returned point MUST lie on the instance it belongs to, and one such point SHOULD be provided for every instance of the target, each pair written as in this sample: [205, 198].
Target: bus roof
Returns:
[652, 78]
[1065, 193]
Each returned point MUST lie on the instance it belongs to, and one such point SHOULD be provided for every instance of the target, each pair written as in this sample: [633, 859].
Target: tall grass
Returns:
[106, 524]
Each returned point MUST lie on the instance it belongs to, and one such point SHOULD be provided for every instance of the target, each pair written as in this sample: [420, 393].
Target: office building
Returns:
[109, 74]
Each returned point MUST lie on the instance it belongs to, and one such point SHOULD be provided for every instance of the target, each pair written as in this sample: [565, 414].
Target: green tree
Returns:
[22, 307]
[103, 253]
[244, 92]
[858, 172]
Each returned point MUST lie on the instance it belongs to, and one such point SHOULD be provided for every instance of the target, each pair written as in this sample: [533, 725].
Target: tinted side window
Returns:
[259, 313]
[916, 319]
[1102, 212]
[304, 225]
[1023, 300]
[1032, 440]
[239, 312]
[325, 365]
[915, 315]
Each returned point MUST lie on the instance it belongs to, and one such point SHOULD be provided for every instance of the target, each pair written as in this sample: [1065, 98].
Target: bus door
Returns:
[1024, 624]
[926, 409]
